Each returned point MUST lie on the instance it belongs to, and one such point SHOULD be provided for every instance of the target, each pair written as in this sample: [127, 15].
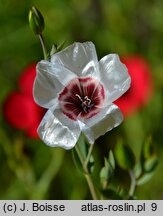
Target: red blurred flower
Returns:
[19, 109]
[141, 85]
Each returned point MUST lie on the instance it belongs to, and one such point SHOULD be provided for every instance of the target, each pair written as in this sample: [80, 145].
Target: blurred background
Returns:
[134, 30]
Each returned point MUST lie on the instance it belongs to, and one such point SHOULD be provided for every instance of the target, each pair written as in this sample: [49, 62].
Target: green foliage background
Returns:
[28, 168]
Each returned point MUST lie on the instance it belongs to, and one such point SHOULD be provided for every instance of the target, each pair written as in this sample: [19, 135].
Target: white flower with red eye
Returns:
[78, 91]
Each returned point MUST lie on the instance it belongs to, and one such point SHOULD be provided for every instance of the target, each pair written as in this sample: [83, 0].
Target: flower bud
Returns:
[36, 21]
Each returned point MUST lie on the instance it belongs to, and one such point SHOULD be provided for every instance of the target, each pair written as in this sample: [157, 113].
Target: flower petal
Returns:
[80, 58]
[50, 80]
[114, 76]
[103, 122]
[58, 130]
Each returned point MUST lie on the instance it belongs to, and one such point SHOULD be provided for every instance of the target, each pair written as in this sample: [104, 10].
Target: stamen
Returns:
[79, 97]
[87, 100]
[85, 103]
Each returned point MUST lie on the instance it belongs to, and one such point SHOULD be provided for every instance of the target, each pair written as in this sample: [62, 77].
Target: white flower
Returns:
[78, 91]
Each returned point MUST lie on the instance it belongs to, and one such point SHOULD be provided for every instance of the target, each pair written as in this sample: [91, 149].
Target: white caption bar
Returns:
[81, 207]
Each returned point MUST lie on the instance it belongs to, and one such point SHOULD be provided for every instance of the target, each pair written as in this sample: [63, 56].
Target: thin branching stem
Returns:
[89, 154]
[86, 171]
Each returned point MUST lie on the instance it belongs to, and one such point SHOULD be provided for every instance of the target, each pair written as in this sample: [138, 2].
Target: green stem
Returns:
[91, 186]
[133, 183]
[43, 46]
[86, 171]
[89, 154]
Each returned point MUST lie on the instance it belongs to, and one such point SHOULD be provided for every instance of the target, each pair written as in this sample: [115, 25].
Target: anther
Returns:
[85, 103]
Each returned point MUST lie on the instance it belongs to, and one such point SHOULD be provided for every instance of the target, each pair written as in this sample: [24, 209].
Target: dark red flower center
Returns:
[86, 103]
[82, 98]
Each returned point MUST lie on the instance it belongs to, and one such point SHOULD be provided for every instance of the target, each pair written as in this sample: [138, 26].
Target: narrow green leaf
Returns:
[145, 178]
[108, 170]
[104, 171]
[56, 48]
[137, 170]
[53, 49]
[147, 149]
[111, 159]
[124, 156]
[149, 159]
[91, 164]
[151, 164]
[60, 46]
